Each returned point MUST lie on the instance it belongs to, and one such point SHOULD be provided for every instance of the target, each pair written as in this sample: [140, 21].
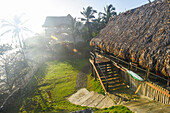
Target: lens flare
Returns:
[75, 50]
[53, 37]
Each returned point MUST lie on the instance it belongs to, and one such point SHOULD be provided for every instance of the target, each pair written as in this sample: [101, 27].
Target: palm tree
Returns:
[109, 11]
[75, 29]
[98, 24]
[88, 14]
[16, 27]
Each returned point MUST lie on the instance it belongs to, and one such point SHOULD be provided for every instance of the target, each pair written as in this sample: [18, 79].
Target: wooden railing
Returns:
[93, 62]
[146, 88]
[94, 67]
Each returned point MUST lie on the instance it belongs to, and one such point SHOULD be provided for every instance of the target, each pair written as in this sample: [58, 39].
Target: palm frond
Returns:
[91, 16]
[26, 29]
[6, 32]
[83, 19]
[6, 25]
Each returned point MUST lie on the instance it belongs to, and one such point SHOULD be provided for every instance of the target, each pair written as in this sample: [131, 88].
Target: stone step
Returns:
[106, 103]
[97, 101]
[90, 100]
[80, 93]
[84, 98]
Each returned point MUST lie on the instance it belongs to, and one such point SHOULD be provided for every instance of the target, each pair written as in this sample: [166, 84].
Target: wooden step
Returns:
[104, 63]
[116, 87]
[111, 80]
[106, 72]
[104, 68]
[115, 83]
[110, 77]
[111, 74]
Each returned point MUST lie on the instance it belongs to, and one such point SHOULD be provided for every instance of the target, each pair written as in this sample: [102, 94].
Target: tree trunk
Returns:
[22, 51]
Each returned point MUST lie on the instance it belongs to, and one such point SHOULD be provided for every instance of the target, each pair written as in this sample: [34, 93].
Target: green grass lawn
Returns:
[58, 77]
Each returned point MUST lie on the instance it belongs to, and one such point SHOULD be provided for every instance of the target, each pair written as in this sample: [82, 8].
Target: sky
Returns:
[37, 10]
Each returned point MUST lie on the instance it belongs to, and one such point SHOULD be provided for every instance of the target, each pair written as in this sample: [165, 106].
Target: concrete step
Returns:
[106, 103]
[84, 98]
[91, 99]
[97, 101]
[79, 94]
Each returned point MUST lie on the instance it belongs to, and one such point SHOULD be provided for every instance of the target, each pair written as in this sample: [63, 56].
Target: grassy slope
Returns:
[60, 78]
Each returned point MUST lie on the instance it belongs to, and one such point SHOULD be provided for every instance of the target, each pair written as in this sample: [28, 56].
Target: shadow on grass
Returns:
[21, 97]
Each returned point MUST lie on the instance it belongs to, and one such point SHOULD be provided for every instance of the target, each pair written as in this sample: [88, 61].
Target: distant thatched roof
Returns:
[54, 21]
[140, 35]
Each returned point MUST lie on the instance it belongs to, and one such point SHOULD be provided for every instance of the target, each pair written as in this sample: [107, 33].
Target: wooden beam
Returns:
[138, 89]
[98, 75]
[160, 90]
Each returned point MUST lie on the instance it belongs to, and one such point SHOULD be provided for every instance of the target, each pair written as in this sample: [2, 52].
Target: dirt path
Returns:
[146, 105]
[81, 80]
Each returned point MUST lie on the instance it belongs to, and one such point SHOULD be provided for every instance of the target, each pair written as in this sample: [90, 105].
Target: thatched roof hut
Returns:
[140, 35]
[57, 21]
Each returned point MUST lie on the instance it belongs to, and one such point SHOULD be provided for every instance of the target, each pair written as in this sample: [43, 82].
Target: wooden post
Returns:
[92, 71]
[168, 81]
[147, 75]
[130, 66]
[95, 76]
[107, 87]
[94, 59]
[105, 69]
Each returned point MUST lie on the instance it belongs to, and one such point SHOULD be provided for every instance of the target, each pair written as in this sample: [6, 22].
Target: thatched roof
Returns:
[56, 21]
[140, 35]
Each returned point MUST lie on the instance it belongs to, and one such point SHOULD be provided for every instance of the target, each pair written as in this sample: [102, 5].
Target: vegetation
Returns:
[58, 77]
[75, 29]
[94, 85]
[93, 25]
[55, 81]
[50, 87]
[88, 14]
[12, 70]
[114, 109]
[109, 11]
[17, 28]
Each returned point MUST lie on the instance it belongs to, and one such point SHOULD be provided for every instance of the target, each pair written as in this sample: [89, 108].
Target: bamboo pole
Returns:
[98, 75]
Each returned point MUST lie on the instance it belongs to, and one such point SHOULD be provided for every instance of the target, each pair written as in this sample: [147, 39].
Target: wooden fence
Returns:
[147, 89]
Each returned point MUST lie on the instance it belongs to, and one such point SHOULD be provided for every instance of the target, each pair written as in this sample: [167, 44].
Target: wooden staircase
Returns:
[109, 75]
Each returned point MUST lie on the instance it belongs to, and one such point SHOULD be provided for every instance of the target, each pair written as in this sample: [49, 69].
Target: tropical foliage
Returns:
[75, 29]
[94, 25]
[16, 28]
[109, 11]
[88, 14]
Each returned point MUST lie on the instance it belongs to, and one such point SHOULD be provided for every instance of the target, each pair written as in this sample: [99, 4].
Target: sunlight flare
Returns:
[53, 37]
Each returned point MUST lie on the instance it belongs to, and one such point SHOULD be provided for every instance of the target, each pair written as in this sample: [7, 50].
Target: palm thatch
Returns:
[140, 35]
